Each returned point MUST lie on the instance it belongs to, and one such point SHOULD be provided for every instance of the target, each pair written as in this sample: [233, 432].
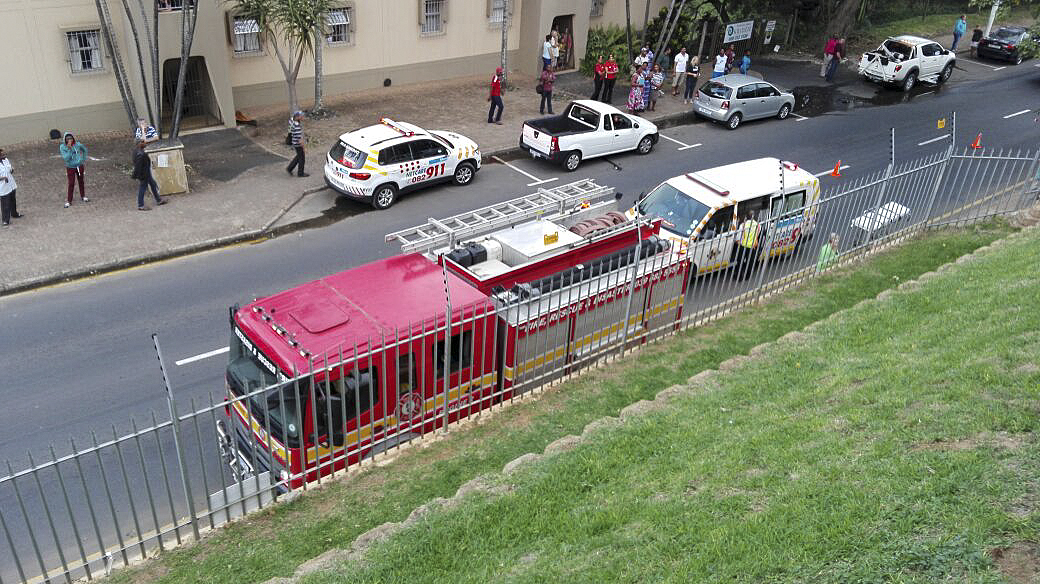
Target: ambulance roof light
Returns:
[790, 166]
[718, 190]
[392, 124]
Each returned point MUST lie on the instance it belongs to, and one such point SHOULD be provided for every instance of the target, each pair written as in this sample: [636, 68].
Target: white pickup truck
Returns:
[585, 130]
[904, 60]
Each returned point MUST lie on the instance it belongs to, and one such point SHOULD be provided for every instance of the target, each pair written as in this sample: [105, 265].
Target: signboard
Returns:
[770, 27]
[738, 31]
[941, 123]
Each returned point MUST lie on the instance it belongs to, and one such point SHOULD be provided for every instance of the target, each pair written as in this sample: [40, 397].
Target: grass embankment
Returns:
[275, 541]
[930, 26]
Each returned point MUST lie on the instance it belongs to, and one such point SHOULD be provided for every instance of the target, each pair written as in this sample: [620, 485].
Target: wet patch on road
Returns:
[342, 208]
[815, 100]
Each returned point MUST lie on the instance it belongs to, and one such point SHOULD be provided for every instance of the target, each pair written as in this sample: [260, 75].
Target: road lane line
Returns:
[202, 356]
[1025, 111]
[800, 118]
[541, 182]
[980, 64]
[936, 139]
[683, 144]
[690, 146]
[842, 167]
[527, 174]
[999, 68]
[926, 93]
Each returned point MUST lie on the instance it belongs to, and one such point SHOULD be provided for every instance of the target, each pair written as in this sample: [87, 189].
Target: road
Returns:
[78, 357]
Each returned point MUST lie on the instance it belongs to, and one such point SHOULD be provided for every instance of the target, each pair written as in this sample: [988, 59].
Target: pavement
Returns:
[239, 190]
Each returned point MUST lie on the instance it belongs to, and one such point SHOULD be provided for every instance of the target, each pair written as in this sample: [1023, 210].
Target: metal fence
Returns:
[121, 497]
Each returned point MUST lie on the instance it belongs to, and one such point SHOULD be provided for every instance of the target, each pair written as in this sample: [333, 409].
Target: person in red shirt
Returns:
[610, 71]
[495, 97]
[600, 71]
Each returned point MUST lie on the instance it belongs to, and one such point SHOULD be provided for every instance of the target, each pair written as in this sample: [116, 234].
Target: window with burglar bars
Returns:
[432, 21]
[246, 35]
[597, 8]
[172, 5]
[85, 50]
[339, 21]
[498, 11]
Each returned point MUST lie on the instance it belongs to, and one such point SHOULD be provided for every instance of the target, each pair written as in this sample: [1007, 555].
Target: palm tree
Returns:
[122, 81]
[319, 70]
[189, 15]
[140, 55]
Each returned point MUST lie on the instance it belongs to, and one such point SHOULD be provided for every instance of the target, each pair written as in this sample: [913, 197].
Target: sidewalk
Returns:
[239, 188]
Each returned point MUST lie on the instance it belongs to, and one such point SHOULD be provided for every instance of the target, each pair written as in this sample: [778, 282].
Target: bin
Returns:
[168, 166]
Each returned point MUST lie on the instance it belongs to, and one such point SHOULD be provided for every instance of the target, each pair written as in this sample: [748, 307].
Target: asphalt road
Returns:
[78, 357]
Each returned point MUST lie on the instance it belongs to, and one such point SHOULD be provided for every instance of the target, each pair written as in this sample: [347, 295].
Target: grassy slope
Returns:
[275, 541]
[929, 26]
[895, 442]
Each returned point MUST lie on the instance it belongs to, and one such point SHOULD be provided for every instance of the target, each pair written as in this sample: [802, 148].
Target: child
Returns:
[976, 36]
[745, 63]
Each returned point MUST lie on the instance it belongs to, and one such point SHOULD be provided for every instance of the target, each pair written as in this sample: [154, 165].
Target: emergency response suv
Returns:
[381, 161]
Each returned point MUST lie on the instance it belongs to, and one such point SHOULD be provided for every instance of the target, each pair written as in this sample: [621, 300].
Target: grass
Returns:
[929, 26]
[891, 444]
[273, 542]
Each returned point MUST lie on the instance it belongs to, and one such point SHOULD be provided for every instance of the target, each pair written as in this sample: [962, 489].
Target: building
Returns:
[60, 71]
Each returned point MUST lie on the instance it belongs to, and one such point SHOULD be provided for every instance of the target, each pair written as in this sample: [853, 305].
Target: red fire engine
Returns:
[478, 308]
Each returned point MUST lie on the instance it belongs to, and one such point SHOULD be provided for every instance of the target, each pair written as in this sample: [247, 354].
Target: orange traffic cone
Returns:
[978, 142]
[837, 169]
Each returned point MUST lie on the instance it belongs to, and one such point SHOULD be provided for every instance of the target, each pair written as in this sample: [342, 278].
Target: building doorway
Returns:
[199, 105]
[563, 30]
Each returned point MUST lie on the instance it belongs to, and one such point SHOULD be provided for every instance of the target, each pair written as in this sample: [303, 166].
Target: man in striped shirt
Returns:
[296, 141]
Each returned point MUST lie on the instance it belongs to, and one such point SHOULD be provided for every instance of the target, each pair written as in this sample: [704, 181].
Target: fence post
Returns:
[942, 169]
[177, 441]
[632, 287]
[884, 184]
[772, 232]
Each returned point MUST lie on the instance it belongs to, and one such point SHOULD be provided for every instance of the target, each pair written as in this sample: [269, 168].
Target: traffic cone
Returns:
[978, 142]
[837, 169]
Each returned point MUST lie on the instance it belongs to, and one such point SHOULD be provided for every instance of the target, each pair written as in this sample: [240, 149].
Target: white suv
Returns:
[903, 60]
[379, 162]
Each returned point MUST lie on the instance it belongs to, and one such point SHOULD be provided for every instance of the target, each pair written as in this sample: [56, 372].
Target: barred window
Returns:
[339, 23]
[172, 5]
[431, 19]
[498, 10]
[597, 8]
[246, 35]
[84, 50]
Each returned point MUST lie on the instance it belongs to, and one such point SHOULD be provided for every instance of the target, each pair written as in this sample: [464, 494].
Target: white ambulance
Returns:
[701, 211]
[381, 161]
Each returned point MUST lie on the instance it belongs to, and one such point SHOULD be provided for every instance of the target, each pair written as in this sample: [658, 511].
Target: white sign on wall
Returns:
[770, 27]
[738, 31]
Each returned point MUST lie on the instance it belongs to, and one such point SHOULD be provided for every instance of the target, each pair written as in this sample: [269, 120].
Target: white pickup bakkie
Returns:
[904, 60]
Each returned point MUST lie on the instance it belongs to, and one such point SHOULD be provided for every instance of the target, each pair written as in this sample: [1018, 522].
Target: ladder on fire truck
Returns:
[438, 233]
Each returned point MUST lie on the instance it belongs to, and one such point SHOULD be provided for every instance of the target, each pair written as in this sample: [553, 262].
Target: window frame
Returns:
[464, 342]
[492, 8]
[624, 120]
[426, 17]
[350, 27]
[751, 88]
[68, 34]
[233, 36]
[596, 8]
[393, 147]
[417, 155]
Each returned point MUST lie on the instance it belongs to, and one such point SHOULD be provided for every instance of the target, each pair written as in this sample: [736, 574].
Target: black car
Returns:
[1005, 44]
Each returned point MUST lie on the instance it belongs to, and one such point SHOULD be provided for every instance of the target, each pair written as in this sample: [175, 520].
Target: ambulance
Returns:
[378, 163]
[701, 211]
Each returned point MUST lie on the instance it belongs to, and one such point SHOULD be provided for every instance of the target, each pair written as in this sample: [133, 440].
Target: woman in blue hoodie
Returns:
[75, 156]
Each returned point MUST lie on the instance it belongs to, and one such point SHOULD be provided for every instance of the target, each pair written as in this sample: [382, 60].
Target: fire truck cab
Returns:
[477, 308]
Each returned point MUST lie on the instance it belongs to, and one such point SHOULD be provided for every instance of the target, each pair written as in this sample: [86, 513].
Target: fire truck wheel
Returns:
[464, 173]
[571, 162]
[384, 196]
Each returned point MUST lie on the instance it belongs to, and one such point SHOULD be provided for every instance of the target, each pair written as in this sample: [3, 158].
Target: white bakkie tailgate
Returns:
[537, 140]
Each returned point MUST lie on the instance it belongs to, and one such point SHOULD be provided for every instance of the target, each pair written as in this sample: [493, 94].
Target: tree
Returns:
[292, 22]
[319, 70]
[122, 81]
[189, 14]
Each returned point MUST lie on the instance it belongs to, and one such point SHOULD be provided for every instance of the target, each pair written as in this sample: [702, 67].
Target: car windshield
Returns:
[347, 155]
[279, 406]
[716, 90]
[680, 212]
[1007, 34]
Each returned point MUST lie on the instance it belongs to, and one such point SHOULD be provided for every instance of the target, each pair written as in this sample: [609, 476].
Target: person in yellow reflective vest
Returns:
[749, 233]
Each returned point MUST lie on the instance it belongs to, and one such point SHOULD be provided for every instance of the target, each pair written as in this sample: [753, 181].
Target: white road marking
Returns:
[936, 139]
[541, 182]
[999, 68]
[842, 167]
[527, 174]
[926, 93]
[981, 64]
[1037, 65]
[683, 144]
[1025, 111]
[206, 355]
[690, 146]
[800, 118]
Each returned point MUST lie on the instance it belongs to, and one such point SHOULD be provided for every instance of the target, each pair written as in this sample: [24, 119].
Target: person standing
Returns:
[731, 58]
[296, 141]
[74, 154]
[641, 58]
[568, 45]
[554, 41]
[647, 86]
[598, 73]
[976, 36]
[8, 191]
[547, 79]
[495, 97]
[656, 79]
[145, 131]
[610, 73]
[958, 31]
[828, 253]
[547, 51]
[828, 54]
[691, 79]
[748, 243]
[143, 174]
[664, 60]
[681, 63]
[745, 63]
[635, 93]
[649, 58]
[720, 64]
[839, 56]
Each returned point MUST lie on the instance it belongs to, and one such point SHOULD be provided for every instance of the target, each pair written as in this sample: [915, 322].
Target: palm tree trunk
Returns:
[628, 33]
[646, 19]
[504, 57]
[671, 29]
[319, 65]
[117, 61]
[664, 25]
[151, 33]
[140, 57]
[187, 36]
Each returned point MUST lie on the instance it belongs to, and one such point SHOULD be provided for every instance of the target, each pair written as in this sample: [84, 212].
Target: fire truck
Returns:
[477, 308]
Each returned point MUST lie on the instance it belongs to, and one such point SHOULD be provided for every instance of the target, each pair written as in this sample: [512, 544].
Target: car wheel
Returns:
[733, 122]
[785, 111]
[645, 145]
[1018, 59]
[572, 161]
[464, 173]
[384, 196]
[910, 81]
[946, 72]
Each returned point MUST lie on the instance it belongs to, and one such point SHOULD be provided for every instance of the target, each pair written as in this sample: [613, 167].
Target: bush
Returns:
[607, 41]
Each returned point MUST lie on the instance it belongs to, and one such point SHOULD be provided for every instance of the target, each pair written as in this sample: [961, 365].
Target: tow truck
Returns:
[477, 308]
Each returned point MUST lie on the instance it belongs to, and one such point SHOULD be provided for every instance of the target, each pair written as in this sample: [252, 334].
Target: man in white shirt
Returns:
[8, 188]
[547, 49]
[720, 64]
[681, 60]
[641, 58]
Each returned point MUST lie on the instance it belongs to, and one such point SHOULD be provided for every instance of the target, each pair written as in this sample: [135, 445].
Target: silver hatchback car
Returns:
[735, 98]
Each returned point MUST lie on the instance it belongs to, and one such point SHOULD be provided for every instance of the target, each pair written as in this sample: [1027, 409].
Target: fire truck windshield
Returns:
[680, 212]
[279, 406]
